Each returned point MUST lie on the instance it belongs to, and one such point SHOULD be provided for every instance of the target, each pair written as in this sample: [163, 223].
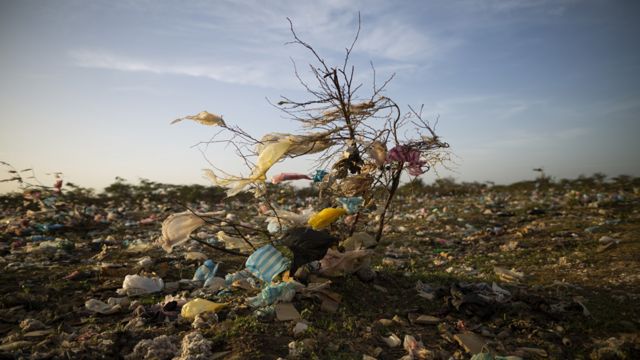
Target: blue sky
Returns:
[89, 87]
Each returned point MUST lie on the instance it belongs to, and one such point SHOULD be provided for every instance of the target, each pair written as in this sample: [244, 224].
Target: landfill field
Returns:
[534, 270]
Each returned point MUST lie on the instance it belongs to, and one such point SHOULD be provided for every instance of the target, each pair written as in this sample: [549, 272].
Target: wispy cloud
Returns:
[246, 74]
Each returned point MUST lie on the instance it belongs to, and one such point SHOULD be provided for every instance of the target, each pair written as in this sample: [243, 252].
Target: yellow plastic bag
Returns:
[269, 155]
[325, 217]
[199, 306]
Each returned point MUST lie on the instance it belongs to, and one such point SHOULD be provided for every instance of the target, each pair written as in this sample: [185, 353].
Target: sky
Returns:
[89, 88]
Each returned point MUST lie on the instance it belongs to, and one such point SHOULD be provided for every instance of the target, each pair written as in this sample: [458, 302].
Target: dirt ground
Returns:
[564, 256]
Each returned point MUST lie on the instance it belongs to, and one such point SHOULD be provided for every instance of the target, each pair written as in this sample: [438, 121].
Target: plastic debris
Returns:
[266, 263]
[198, 306]
[336, 263]
[410, 156]
[508, 275]
[351, 204]
[274, 293]
[288, 176]
[134, 285]
[415, 348]
[206, 272]
[307, 245]
[101, 307]
[325, 218]
[177, 227]
[203, 118]
[286, 312]
[319, 175]
[268, 156]
[357, 241]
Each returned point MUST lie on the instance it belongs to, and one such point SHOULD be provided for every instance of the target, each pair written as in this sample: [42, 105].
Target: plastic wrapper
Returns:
[266, 263]
[325, 217]
[177, 228]
[139, 285]
[336, 263]
[101, 307]
[203, 118]
[351, 204]
[199, 306]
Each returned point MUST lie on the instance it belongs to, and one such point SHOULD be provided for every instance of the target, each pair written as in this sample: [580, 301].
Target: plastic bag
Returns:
[378, 152]
[336, 263]
[203, 118]
[177, 228]
[274, 293]
[198, 306]
[307, 245]
[231, 242]
[325, 217]
[101, 307]
[268, 156]
[289, 176]
[319, 175]
[266, 263]
[206, 272]
[351, 204]
[138, 285]
[310, 143]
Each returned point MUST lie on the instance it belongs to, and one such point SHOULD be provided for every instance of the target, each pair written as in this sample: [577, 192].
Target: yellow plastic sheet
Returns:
[199, 306]
[325, 217]
[310, 143]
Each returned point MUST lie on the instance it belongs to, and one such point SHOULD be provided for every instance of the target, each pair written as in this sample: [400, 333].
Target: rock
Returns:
[471, 342]
[28, 325]
[427, 320]
[286, 312]
[299, 329]
[392, 341]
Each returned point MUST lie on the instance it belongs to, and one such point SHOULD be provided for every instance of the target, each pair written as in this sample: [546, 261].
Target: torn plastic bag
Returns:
[101, 307]
[410, 156]
[288, 219]
[275, 293]
[268, 156]
[203, 118]
[177, 227]
[199, 306]
[336, 263]
[206, 272]
[139, 285]
[266, 263]
[307, 245]
[325, 217]
[242, 275]
[289, 176]
[351, 204]
[310, 143]
[357, 241]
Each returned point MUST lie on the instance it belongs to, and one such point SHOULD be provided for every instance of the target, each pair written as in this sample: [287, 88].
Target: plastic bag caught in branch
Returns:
[300, 144]
[289, 176]
[268, 156]
[204, 118]
[325, 217]
[409, 155]
[177, 228]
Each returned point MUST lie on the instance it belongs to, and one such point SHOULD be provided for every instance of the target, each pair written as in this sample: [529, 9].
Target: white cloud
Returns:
[247, 74]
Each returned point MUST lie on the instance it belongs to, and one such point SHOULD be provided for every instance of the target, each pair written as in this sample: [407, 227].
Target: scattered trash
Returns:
[134, 285]
[206, 273]
[98, 306]
[197, 306]
[287, 312]
[392, 340]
